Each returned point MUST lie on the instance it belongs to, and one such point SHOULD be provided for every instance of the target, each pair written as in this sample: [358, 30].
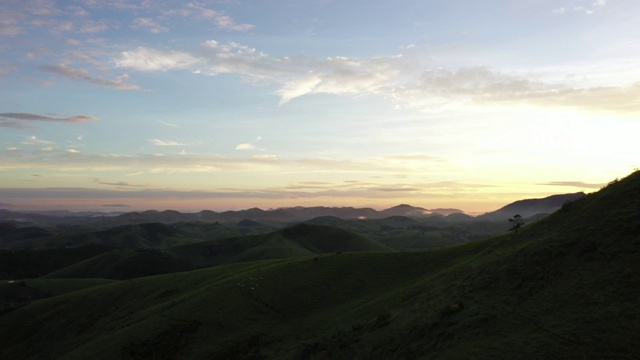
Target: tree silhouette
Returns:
[516, 223]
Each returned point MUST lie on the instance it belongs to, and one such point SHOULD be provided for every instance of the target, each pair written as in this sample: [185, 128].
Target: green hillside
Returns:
[427, 233]
[142, 236]
[21, 264]
[299, 240]
[122, 264]
[565, 287]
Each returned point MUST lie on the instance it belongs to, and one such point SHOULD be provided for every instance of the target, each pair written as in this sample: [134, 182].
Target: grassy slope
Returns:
[64, 286]
[142, 236]
[407, 234]
[565, 287]
[21, 264]
[122, 264]
[299, 240]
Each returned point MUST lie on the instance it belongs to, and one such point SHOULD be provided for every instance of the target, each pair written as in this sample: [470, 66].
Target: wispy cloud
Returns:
[58, 159]
[393, 77]
[587, 9]
[83, 75]
[221, 20]
[354, 190]
[34, 140]
[10, 22]
[158, 142]
[175, 126]
[146, 59]
[36, 117]
[149, 25]
[577, 184]
[15, 125]
[119, 184]
[116, 206]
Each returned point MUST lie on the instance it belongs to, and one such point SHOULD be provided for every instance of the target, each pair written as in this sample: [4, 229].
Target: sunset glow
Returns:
[123, 105]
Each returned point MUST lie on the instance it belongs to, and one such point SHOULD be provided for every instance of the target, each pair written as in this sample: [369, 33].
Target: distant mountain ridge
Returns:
[531, 207]
[280, 216]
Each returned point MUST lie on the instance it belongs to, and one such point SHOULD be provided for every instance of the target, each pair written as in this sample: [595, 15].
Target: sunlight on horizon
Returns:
[247, 104]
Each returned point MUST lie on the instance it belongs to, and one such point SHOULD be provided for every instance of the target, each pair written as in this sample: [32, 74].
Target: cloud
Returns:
[245, 147]
[83, 75]
[60, 160]
[221, 20]
[353, 190]
[395, 189]
[34, 140]
[41, 7]
[77, 11]
[175, 126]
[586, 9]
[9, 119]
[394, 77]
[146, 59]
[578, 184]
[149, 25]
[6, 69]
[120, 184]
[157, 142]
[116, 205]
[249, 146]
[14, 125]
[10, 22]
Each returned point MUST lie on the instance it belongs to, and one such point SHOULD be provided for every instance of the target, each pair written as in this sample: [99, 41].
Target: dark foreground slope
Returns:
[565, 287]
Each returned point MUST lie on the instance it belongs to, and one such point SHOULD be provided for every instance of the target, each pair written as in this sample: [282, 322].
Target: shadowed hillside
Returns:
[531, 207]
[562, 288]
[299, 240]
[126, 263]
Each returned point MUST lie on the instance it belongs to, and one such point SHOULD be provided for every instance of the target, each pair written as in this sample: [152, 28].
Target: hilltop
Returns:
[564, 287]
[531, 207]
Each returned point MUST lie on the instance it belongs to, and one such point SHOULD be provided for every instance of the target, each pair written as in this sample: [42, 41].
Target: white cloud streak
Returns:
[245, 147]
[396, 77]
[158, 142]
[57, 159]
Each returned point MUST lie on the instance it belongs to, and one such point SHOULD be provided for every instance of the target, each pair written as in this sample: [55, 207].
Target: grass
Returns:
[563, 287]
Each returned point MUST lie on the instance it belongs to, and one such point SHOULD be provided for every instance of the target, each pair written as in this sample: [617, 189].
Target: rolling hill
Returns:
[564, 287]
[530, 207]
[126, 262]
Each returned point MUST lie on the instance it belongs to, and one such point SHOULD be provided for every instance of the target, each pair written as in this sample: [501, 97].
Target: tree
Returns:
[516, 223]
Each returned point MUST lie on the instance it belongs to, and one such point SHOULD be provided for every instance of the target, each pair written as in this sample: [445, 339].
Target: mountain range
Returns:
[282, 216]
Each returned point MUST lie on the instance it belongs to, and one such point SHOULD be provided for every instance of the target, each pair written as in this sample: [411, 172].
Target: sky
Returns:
[119, 105]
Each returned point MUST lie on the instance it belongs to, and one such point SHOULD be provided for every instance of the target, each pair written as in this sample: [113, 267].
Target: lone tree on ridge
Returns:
[516, 223]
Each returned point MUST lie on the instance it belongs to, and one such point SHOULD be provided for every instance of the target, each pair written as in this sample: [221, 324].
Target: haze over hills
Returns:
[280, 216]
